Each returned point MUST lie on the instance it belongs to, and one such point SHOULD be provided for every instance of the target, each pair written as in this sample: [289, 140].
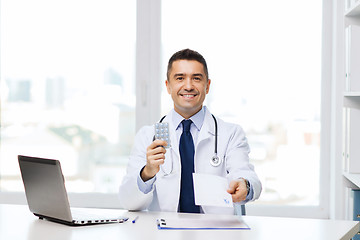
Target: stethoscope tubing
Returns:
[216, 134]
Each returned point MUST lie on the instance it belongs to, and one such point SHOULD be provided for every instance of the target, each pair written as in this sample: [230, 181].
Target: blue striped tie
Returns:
[187, 151]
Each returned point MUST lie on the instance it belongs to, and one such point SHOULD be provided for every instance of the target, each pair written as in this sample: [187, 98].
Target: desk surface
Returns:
[16, 222]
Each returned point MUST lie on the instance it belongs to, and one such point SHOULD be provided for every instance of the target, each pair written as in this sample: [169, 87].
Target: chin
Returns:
[189, 110]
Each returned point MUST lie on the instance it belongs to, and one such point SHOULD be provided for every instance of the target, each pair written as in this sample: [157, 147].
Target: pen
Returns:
[133, 221]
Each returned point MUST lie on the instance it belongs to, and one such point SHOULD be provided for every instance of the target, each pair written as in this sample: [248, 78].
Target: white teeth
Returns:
[188, 95]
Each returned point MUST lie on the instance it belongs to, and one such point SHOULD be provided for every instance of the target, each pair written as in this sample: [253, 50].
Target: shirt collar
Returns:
[197, 119]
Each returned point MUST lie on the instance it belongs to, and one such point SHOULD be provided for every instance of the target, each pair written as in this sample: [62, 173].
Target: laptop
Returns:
[47, 197]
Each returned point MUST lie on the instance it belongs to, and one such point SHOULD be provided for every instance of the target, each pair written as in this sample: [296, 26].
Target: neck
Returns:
[187, 114]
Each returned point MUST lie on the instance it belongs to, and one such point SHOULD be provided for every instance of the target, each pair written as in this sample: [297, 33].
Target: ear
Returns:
[167, 86]
[208, 86]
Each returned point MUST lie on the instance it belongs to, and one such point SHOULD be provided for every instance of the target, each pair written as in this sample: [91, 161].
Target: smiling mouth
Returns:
[188, 95]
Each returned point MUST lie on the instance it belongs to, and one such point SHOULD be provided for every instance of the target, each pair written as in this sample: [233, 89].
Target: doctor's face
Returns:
[188, 86]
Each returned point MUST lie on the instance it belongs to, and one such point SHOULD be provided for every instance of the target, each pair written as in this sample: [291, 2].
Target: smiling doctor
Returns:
[159, 177]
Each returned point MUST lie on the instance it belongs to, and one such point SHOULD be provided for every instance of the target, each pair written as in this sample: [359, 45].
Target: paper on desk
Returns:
[210, 190]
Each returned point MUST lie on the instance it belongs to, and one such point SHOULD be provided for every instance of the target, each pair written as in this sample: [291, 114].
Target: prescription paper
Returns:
[210, 190]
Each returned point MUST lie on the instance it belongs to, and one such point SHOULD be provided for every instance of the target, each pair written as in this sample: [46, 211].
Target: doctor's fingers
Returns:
[239, 195]
[157, 154]
[156, 157]
[238, 190]
[155, 151]
[157, 143]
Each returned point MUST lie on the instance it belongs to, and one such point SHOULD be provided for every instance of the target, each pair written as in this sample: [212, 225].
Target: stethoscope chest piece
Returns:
[215, 161]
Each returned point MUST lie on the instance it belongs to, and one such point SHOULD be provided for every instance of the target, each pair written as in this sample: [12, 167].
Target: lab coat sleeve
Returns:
[237, 160]
[130, 195]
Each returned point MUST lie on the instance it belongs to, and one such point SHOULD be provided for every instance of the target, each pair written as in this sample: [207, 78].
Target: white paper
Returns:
[210, 190]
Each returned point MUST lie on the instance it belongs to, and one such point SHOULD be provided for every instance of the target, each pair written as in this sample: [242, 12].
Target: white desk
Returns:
[16, 222]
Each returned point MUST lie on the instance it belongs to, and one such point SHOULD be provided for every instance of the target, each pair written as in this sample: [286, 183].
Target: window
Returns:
[68, 77]
[68, 89]
[264, 59]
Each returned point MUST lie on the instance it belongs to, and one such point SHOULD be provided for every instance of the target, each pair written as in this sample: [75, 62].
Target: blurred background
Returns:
[68, 86]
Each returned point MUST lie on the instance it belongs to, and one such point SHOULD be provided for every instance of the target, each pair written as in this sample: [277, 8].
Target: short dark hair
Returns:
[187, 54]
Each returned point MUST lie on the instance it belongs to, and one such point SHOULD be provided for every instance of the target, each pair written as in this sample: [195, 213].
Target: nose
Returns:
[188, 84]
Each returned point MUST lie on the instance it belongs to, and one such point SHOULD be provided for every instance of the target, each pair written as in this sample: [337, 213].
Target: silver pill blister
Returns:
[162, 132]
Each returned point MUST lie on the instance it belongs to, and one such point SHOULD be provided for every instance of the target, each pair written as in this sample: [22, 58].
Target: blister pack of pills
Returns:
[162, 132]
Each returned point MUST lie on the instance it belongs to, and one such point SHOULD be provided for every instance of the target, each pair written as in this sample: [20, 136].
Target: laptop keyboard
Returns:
[81, 217]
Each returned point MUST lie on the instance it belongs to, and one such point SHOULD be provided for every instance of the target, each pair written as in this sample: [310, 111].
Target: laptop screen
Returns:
[44, 187]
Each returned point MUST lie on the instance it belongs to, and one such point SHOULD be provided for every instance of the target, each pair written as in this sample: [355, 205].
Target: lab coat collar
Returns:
[208, 127]
[197, 119]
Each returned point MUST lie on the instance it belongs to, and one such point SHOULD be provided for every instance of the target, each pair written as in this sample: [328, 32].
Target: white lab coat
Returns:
[232, 147]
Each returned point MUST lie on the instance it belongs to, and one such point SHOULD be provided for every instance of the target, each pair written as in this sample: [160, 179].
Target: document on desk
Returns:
[210, 190]
[230, 222]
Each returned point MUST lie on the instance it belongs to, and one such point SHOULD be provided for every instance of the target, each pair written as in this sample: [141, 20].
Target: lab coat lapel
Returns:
[208, 128]
[173, 139]
[169, 186]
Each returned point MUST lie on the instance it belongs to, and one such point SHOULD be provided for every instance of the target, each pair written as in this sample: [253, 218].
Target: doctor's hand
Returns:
[155, 156]
[238, 190]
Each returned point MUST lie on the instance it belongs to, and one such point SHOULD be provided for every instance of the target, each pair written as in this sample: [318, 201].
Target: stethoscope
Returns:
[215, 161]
